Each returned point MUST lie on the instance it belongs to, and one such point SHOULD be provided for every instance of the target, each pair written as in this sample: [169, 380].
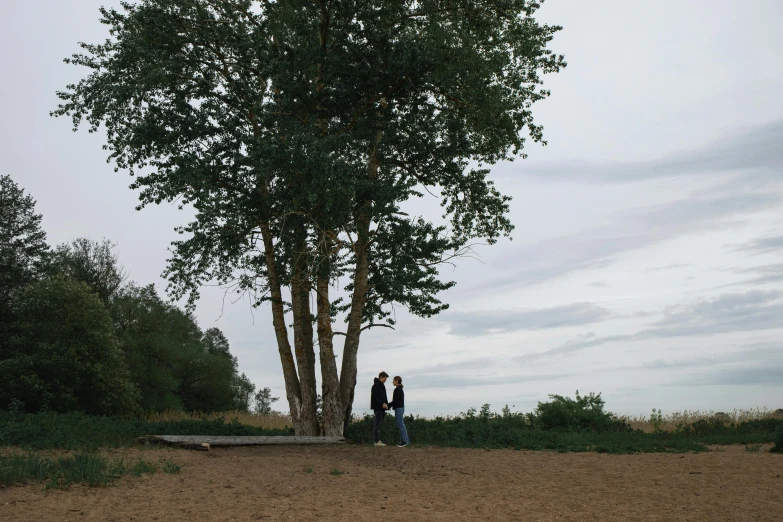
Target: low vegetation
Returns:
[81, 468]
[581, 424]
[77, 431]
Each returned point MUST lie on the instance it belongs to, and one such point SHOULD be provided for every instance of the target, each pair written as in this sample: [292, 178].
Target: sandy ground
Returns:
[412, 484]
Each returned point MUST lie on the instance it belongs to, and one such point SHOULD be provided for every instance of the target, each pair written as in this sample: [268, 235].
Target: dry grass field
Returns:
[360, 483]
[270, 421]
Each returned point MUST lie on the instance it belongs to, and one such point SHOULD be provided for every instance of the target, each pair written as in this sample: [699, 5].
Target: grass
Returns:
[76, 431]
[337, 472]
[308, 470]
[670, 421]
[562, 425]
[81, 468]
[171, 467]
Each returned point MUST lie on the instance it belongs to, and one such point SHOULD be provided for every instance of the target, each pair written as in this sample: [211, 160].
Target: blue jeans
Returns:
[399, 416]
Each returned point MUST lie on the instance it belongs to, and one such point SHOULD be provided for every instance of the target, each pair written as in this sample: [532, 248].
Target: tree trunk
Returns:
[330, 384]
[359, 298]
[303, 344]
[292, 388]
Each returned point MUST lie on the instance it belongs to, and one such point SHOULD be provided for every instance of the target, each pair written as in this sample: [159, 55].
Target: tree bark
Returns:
[293, 390]
[330, 384]
[360, 288]
[303, 343]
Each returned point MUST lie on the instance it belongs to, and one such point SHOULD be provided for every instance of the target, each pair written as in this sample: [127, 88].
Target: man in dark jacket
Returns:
[379, 405]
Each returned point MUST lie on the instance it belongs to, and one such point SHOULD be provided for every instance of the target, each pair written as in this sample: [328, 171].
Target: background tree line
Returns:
[77, 335]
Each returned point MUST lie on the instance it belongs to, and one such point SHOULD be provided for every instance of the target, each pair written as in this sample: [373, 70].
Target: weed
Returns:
[753, 448]
[337, 472]
[171, 467]
[308, 470]
[141, 467]
[656, 419]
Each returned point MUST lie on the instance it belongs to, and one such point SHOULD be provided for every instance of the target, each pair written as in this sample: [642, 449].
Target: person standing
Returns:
[398, 405]
[379, 405]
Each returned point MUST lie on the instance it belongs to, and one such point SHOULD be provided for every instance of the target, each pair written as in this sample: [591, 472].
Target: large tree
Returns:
[298, 130]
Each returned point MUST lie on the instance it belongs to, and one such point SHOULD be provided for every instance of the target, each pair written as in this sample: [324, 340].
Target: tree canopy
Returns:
[298, 131]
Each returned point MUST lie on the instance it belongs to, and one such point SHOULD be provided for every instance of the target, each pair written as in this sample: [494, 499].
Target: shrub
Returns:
[778, 440]
[585, 413]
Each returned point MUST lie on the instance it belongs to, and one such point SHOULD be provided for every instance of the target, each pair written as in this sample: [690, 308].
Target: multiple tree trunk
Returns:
[337, 393]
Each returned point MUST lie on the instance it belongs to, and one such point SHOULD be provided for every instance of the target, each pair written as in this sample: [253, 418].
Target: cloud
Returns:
[473, 324]
[480, 363]
[762, 245]
[749, 311]
[669, 267]
[632, 230]
[766, 375]
[745, 353]
[451, 381]
[757, 149]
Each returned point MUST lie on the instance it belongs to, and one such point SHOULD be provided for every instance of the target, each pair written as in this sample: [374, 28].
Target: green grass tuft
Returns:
[82, 468]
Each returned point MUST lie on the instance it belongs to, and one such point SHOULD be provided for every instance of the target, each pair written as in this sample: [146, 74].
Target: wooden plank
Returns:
[199, 441]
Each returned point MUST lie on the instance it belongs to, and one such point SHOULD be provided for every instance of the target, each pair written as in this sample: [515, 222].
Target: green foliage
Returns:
[656, 418]
[586, 428]
[23, 248]
[170, 467]
[263, 400]
[76, 431]
[174, 365]
[81, 468]
[583, 413]
[778, 440]
[93, 263]
[753, 448]
[336, 472]
[63, 354]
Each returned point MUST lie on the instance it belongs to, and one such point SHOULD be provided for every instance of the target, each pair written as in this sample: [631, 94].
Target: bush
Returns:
[582, 414]
[778, 440]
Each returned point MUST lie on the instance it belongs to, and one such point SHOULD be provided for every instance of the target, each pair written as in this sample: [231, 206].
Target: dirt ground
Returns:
[413, 484]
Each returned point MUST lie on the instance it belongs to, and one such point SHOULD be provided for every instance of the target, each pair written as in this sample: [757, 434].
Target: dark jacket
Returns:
[398, 398]
[378, 398]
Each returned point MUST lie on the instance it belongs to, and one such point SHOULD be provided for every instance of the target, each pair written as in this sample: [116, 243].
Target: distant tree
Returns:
[263, 400]
[63, 354]
[173, 363]
[297, 130]
[243, 392]
[216, 343]
[92, 262]
[23, 247]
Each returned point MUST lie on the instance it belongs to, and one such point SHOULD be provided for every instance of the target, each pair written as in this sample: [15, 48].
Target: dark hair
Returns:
[397, 378]
[382, 375]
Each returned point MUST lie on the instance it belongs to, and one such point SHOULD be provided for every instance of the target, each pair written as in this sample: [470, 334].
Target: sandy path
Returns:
[412, 484]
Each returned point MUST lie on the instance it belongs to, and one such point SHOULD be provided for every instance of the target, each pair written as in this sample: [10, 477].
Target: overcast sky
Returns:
[647, 260]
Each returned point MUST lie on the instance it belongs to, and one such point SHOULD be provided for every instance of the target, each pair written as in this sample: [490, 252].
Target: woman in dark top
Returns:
[398, 404]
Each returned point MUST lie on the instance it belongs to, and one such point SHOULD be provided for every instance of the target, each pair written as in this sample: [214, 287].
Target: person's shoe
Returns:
[401, 445]
[379, 443]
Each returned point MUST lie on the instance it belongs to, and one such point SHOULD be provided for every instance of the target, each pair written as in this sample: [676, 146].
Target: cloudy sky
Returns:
[647, 260]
